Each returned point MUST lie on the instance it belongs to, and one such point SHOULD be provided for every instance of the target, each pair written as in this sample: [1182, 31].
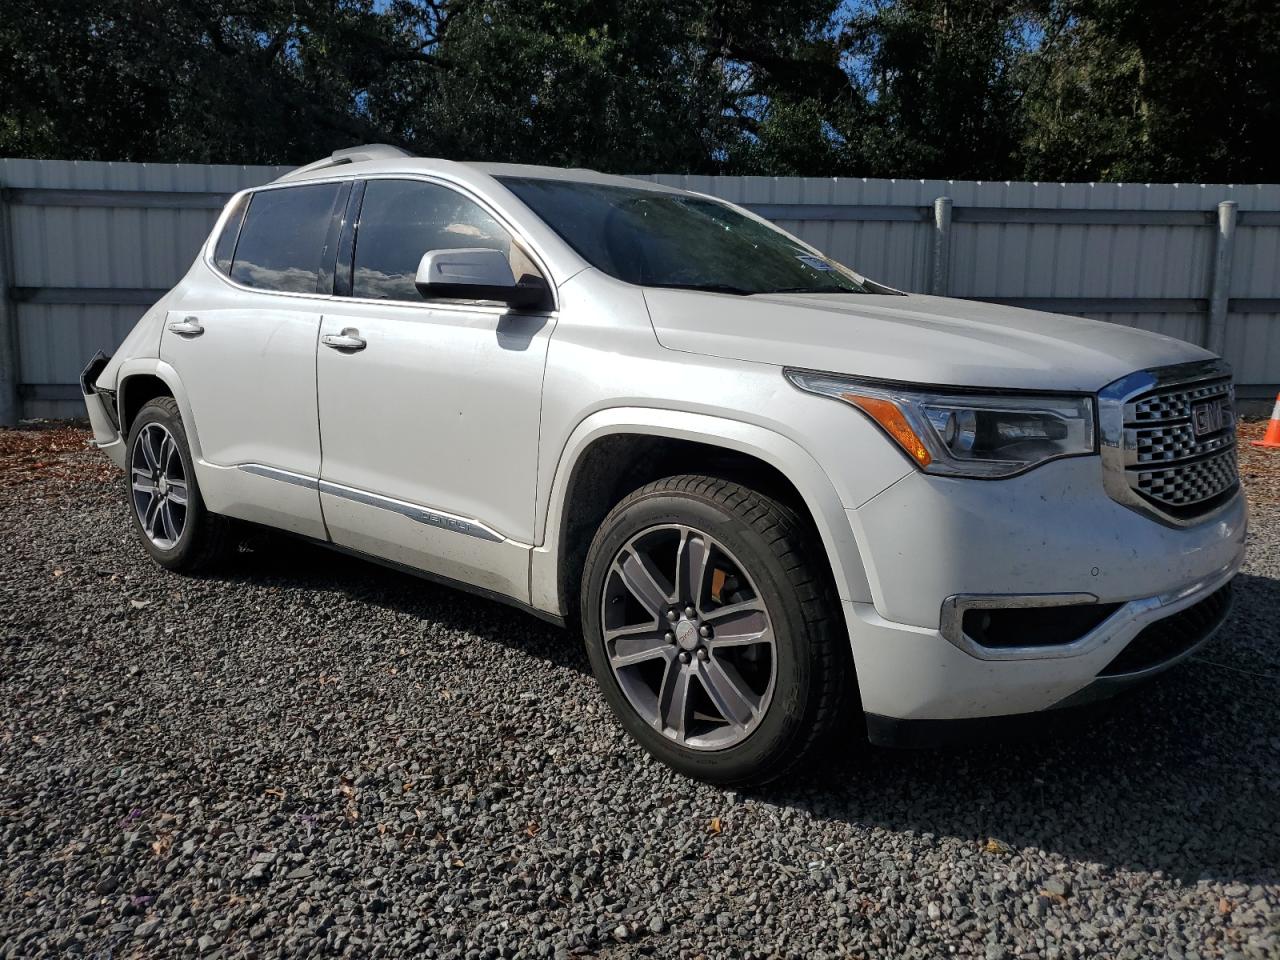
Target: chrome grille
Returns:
[1169, 443]
[1175, 404]
[1189, 482]
[1164, 443]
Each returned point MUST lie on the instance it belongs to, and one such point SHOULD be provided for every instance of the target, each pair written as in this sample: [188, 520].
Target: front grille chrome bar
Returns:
[1168, 441]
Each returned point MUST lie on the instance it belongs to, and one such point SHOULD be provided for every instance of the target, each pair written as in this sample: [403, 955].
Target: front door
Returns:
[429, 410]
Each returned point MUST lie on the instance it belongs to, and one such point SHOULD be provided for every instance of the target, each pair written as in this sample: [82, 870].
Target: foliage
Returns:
[1045, 89]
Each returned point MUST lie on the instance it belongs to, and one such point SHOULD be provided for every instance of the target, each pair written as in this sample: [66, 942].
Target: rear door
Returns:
[245, 351]
[429, 409]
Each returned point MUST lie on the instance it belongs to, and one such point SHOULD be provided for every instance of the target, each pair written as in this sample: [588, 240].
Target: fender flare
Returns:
[155, 367]
[780, 452]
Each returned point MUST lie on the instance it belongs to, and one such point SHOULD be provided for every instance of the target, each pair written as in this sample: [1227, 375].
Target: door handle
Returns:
[348, 340]
[187, 327]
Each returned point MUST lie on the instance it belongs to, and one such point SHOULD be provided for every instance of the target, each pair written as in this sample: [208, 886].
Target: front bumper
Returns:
[1052, 531]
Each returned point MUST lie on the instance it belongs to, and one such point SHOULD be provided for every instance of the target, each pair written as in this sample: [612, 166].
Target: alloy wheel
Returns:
[159, 485]
[688, 637]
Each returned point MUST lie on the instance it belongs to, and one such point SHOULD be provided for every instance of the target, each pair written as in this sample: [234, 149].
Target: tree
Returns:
[189, 80]
[1140, 90]
[615, 85]
[1044, 89]
[940, 78]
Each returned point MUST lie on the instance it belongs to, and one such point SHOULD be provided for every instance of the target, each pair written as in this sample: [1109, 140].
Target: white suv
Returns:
[764, 487]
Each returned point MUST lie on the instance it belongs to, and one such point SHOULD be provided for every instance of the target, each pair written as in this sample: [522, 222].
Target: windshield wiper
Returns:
[705, 287]
[813, 290]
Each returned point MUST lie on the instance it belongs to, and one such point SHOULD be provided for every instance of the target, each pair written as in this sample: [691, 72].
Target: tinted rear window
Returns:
[282, 241]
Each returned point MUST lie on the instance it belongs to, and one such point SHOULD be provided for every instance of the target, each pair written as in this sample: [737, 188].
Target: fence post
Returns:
[10, 405]
[1216, 330]
[941, 246]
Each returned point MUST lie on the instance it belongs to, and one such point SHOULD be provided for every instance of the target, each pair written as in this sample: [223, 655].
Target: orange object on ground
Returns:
[1272, 437]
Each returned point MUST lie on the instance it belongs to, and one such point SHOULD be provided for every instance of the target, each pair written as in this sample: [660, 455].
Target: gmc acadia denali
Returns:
[772, 493]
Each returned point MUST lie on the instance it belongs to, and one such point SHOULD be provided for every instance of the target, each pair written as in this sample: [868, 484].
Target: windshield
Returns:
[659, 239]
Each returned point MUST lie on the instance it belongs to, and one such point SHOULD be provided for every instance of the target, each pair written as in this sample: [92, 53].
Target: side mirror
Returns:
[478, 273]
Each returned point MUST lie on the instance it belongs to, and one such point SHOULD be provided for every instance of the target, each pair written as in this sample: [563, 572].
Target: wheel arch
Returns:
[618, 450]
[145, 379]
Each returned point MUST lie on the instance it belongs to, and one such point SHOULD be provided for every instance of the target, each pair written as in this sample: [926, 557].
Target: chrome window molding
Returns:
[433, 518]
[1122, 625]
[206, 252]
[1118, 436]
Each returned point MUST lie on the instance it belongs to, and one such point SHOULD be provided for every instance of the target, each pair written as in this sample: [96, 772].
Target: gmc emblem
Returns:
[1209, 417]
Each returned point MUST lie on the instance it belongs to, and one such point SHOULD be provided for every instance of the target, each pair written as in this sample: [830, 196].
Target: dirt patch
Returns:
[56, 455]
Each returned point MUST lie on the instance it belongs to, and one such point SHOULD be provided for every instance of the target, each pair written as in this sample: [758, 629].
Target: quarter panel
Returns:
[251, 380]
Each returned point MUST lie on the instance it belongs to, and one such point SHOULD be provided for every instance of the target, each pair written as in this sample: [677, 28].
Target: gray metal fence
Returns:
[85, 247]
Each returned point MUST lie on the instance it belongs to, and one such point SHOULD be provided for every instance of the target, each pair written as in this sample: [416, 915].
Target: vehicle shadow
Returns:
[1181, 775]
[274, 559]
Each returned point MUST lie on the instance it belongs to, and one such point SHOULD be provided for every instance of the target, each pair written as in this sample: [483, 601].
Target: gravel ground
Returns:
[314, 756]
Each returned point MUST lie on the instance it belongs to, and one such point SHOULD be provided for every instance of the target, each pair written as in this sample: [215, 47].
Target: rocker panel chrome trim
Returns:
[275, 473]
[434, 518]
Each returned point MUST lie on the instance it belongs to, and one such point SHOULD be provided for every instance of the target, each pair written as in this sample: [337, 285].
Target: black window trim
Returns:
[475, 306]
[325, 278]
[344, 275]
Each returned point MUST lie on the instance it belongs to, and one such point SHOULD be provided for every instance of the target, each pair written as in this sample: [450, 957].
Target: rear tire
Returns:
[168, 512]
[733, 674]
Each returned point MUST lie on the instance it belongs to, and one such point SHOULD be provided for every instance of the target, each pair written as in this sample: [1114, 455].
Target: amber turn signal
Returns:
[892, 422]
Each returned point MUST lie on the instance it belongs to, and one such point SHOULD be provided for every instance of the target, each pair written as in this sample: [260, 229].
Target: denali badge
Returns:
[1209, 417]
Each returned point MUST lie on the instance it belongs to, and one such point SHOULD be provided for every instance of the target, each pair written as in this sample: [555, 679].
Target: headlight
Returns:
[964, 434]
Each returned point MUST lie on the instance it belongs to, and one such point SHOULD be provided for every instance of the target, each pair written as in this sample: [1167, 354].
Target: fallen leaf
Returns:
[996, 846]
[406, 786]
[58, 571]
[714, 826]
[531, 828]
[277, 792]
[139, 604]
[382, 829]
[458, 863]
[1225, 906]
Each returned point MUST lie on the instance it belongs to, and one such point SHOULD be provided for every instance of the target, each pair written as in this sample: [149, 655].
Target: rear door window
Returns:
[400, 220]
[282, 241]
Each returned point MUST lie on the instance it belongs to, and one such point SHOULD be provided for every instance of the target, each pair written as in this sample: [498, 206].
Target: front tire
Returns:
[168, 512]
[712, 629]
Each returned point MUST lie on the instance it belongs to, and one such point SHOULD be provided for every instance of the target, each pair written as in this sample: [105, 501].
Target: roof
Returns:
[384, 158]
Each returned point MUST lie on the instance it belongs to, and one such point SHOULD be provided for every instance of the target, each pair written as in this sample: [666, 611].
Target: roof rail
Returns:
[360, 154]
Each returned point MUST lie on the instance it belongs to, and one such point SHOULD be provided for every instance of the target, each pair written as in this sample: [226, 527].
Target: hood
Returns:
[912, 338]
